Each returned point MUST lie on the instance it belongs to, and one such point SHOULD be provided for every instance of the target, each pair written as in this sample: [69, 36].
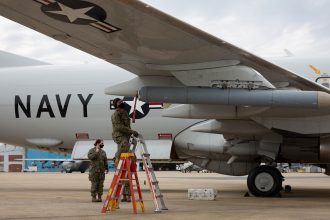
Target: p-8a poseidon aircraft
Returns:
[230, 111]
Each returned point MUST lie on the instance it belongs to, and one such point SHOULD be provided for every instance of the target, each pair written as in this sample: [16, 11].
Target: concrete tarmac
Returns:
[66, 196]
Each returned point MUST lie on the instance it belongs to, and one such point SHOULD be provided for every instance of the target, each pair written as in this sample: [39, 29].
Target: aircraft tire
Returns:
[265, 181]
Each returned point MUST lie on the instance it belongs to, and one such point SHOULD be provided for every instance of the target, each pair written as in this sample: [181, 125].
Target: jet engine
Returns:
[214, 153]
[305, 150]
[204, 145]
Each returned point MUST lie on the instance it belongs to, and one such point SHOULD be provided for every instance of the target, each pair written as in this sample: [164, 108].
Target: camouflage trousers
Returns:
[122, 147]
[97, 180]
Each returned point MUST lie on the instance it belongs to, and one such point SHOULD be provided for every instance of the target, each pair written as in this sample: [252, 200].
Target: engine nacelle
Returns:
[305, 150]
[211, 151]
[238, 168]
[214, 153]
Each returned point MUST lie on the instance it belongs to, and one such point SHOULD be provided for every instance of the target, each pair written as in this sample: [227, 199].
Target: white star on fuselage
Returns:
[138, 106]
[73, 14]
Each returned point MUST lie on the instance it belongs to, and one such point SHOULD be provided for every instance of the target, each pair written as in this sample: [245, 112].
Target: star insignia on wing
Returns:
[77, 12]
[74, 14]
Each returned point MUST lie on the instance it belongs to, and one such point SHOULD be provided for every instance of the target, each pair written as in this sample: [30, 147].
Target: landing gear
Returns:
[265, 181]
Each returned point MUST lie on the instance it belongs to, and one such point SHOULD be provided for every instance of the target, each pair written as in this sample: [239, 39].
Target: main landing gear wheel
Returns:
[265, 181]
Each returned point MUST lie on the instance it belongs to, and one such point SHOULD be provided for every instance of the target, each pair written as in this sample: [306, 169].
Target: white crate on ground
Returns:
[202, 194]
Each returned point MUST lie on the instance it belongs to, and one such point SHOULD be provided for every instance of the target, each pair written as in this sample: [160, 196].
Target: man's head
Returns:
[118, 103]
[99, 143]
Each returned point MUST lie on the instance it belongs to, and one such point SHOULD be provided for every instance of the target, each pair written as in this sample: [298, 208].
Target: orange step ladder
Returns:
[125, 171]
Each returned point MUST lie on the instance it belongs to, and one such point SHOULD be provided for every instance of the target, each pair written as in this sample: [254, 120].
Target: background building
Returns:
[47, 166]
[8, 156]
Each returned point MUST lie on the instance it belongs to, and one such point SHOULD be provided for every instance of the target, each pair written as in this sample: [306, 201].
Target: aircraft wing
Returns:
[139, 38]
[13, 60]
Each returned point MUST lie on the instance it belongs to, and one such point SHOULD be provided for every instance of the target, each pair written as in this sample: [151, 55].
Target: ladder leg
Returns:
[152, 191]
[118, 192]
[156, 186]
[152, 180]
[113, 187]
[128, 166]
[138, 186]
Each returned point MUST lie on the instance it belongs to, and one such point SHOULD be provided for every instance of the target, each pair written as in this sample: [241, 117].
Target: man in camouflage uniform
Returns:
[121, 132]
[99, 165]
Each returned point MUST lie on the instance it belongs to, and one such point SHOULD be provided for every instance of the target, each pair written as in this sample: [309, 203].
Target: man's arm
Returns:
[92, 155]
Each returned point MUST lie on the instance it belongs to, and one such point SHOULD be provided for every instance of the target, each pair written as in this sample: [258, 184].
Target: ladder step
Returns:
[154, 182]
[125, 179]
[146, 155]
[159, 196]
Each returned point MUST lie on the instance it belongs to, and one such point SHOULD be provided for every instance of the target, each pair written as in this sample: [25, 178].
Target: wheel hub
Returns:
[264, 182]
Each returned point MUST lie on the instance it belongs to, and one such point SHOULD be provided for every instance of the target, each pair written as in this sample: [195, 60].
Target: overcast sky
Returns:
[264, 27]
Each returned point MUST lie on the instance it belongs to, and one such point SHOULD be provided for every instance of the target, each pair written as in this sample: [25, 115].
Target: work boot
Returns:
[126, 198]
[94, 199]
[123, 199]
[99, 198]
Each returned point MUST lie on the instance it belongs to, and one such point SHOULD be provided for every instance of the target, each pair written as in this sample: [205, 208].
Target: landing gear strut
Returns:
[265, 181]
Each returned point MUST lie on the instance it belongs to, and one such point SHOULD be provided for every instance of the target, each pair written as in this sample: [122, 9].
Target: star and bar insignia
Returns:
[141, 108]
[77, 12]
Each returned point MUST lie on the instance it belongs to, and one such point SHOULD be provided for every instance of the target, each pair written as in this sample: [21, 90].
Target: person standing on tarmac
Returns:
[99, 166]
[121, 132]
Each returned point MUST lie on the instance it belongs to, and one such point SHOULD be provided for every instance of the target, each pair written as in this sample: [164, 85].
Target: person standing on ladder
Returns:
[121, 132]
[99, 166]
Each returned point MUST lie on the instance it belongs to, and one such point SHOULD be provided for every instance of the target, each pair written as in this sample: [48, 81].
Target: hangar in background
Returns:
[8, 156]
[48, 166]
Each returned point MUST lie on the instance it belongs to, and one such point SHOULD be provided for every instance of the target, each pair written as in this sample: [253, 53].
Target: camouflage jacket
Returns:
[99, 162]
[121, 124]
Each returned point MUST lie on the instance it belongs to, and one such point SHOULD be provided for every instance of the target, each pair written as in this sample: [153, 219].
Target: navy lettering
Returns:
[48, 107]
[63, 109]
[26, 109]
[85, 103]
